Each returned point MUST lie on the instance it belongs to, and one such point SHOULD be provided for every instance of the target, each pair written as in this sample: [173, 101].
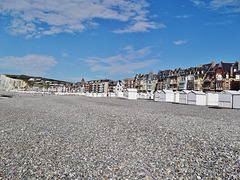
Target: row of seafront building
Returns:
[206, 77]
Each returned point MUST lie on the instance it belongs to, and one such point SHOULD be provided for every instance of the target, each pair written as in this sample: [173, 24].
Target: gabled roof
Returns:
[226, 66]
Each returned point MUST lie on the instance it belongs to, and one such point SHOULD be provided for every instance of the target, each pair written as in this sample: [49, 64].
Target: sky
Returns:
[115, 39]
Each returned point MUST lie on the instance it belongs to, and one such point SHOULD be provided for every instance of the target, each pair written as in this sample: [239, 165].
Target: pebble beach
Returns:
[78, 137]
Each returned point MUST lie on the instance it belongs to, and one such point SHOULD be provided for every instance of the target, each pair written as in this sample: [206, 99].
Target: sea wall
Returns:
[8, 84]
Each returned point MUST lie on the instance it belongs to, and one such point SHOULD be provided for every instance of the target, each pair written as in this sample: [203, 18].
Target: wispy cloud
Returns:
[219, 23]
[64, 55]
[125, 62]
[31, 64]
[37, 18]
[180, 42]
[227, 6]
[198, 3]
[139, 26]
[185, 16]
[223, 6]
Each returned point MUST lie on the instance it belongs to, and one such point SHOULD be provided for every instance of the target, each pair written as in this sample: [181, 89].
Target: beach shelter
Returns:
[166, 96]
[176, 96]
[157, 96]
[130, 94]
[183, 96]
[212, 99]
[236, 100]
[226, 98]
[197, 98]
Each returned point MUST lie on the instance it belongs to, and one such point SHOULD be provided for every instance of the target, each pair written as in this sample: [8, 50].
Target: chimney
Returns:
[231, 71]
[213, 64]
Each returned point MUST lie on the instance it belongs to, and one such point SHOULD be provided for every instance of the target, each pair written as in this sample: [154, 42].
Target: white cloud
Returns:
[180, 42]
[198, 3]
[223, 6]
[140, 26]
[186, 16]
[64, 55]
[31, 64]
[34, 18]
[125, 62]
[227, 6]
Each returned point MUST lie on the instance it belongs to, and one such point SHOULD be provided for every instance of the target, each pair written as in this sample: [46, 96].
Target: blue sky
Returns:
[94, 39]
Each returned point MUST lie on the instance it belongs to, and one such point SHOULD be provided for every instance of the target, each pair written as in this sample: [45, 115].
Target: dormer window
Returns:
[237, 76]
[227, 76]
[219, 77]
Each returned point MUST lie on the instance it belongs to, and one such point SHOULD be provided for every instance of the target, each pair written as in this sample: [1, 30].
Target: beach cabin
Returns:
[183, 95]
[157, 96]
[197, 98]
[226, 98]
[111, 94]
[212, 99]
[176, 96]
[119, 94]
[236, 100]
[166, 96]
[130, 94]
[94, 94]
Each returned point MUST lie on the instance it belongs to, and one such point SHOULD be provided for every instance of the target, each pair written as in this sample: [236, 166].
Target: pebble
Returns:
[77, 137]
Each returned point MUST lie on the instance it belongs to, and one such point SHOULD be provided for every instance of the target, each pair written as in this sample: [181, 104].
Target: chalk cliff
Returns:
[8, 84]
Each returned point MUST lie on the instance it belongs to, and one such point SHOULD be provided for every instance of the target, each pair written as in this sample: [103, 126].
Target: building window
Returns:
[227, 76]
[219, 77]
[227, 85]
[237, 76]
[213, 85]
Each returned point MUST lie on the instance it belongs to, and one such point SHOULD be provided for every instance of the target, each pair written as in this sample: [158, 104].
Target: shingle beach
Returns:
[78, 137]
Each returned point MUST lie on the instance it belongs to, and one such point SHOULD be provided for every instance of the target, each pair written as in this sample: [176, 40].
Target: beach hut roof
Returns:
[198, 92]
[230, 92]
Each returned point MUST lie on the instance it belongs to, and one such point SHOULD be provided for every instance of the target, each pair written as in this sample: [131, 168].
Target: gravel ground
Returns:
[77, 137]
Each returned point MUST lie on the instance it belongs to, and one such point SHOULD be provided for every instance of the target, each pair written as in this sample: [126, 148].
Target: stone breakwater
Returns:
[95, 138]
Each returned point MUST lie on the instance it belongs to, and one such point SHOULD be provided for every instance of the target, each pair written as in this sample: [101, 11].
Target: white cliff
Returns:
[8, 84]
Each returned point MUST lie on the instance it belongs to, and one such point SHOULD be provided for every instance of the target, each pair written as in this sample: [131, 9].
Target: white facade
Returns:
[197, 98]
[226, 98]
[130, 94]
[176, 96]
[236, 100]
[183, 96]
[119, 94]
[111, 94]
[157, 96]
[167, 96]
[212, 99]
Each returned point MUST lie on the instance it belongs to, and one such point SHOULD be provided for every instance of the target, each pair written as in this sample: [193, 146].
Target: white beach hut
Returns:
[226, 98]
[166, 96]
[183, 95]
[176, 96]
[212, 99]
[119, 94]
[197, 98]
[130, 94]
[236, 100]
[111, 94]
[157, 96]
[94, 94]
